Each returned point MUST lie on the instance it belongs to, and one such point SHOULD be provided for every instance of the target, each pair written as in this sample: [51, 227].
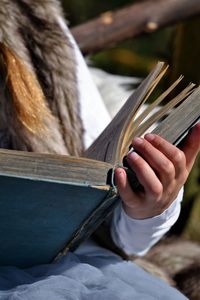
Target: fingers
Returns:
[136, 205]
[161, 168]
[156, 159]
[145, 174]
[124, 188]
[174, 155]
[191, 146]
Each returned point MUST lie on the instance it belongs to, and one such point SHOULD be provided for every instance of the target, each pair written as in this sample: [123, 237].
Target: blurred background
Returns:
[179, 46]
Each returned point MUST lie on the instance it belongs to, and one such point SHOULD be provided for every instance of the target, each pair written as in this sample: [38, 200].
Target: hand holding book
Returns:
[161, 168]
[78, 193]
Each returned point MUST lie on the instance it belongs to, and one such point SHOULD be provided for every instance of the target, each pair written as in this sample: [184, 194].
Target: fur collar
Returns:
[31, 29]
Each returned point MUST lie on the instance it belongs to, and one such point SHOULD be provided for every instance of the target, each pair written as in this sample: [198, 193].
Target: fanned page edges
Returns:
[176, 125]
[114, 143]
[140, 124]
[173, 128]
[107, 146]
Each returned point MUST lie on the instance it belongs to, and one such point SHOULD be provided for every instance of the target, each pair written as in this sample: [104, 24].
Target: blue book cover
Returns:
[44, 214]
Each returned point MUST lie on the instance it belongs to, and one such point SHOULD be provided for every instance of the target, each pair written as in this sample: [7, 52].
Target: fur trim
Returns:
[31, 29]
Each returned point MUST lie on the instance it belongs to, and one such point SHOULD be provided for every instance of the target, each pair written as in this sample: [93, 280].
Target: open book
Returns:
[50, 203]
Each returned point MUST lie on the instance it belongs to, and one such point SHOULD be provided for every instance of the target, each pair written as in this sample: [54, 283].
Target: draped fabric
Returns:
[82, 278]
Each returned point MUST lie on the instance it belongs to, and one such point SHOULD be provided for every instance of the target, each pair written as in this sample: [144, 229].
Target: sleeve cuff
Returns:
[135, 236]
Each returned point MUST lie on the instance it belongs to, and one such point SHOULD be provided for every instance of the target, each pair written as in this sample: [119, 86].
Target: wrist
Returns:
[141, 213]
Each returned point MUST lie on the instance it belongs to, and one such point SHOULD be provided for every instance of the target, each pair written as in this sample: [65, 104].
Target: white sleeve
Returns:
[135, 236]
[94, 114]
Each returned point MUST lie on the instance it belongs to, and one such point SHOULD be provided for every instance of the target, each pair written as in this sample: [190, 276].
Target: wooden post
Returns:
[145, 16]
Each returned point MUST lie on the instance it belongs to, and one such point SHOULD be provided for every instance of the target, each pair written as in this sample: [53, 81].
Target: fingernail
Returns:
[121, 174]
[119, 170]
[137, 141]
[132, 155]
[150, 137]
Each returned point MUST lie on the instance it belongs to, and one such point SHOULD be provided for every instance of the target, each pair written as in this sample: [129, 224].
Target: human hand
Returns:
[162, 169]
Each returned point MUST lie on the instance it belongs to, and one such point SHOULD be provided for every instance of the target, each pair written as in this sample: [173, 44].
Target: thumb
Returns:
[125, 191]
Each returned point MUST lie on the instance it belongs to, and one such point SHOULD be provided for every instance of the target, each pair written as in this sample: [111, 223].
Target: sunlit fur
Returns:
[25, 93]
[31, 30]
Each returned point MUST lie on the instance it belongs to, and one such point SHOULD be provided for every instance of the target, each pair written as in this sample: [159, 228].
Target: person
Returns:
[36, 32]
